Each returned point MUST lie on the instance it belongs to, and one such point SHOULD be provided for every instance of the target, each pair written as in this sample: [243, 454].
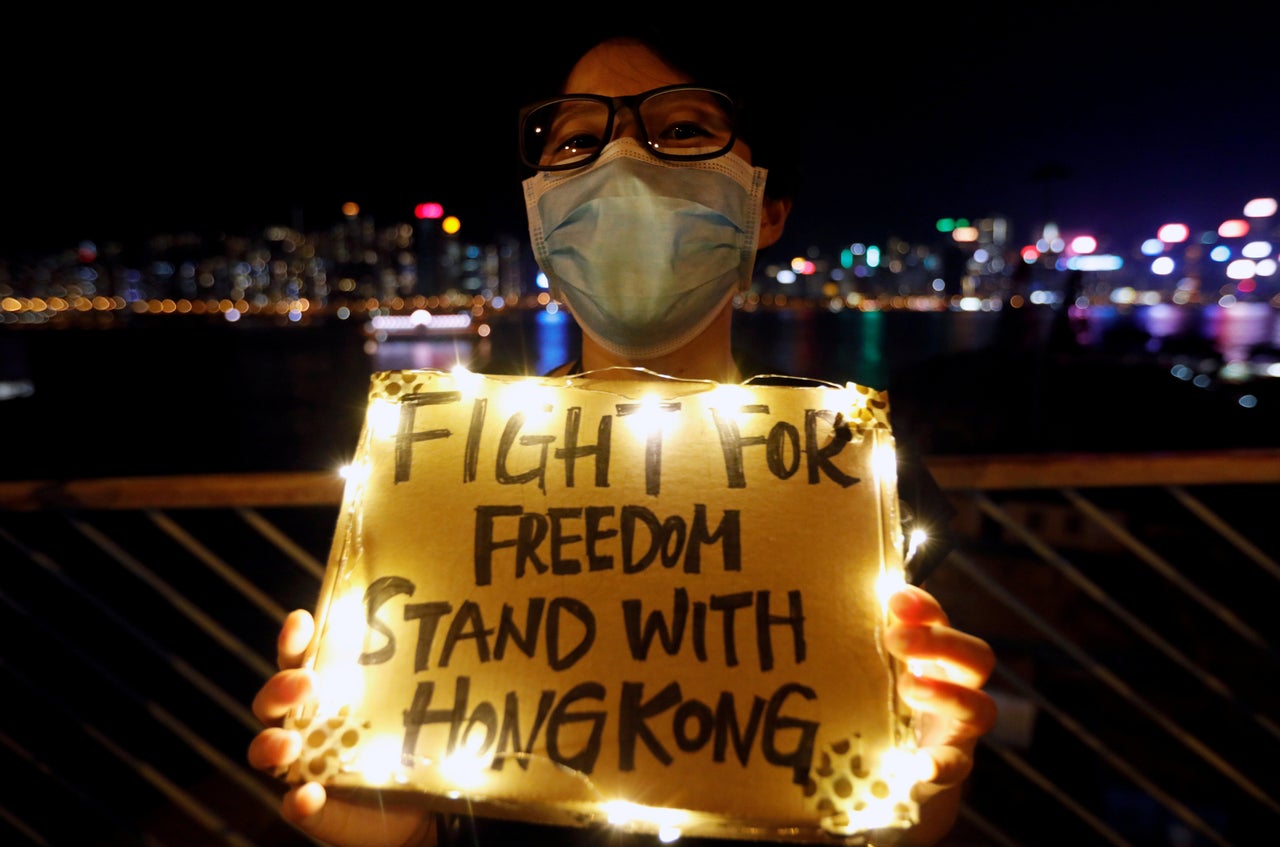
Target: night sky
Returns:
[1105, 123]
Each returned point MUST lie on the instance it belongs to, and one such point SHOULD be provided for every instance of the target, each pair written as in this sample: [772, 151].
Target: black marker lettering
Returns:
[406, 437]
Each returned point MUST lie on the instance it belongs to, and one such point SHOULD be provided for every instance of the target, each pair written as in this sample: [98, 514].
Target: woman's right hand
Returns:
[367, 820]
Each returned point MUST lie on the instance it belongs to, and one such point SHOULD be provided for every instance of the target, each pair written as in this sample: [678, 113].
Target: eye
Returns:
[573, 142]
[687, 120]
[686, 131]
[576, 130]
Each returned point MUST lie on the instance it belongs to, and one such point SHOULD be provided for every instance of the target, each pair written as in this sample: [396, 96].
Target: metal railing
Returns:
[1130, 599]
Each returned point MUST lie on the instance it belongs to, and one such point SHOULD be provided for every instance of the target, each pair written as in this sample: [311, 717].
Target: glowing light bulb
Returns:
[888, 584]
[378, 760]
[339, 680]
[618, 812]
[915, 542]
[730, 398]
[529, 398]
[465, 766]
[649, 418]
[843, 398]
[884, 461]
[624, 813]
[902, 769]
[883, 803]
[383, 417]
[468, 382]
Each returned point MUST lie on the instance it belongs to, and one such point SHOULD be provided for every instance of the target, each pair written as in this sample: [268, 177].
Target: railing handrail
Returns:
[953, 473]
[221, 490]
[1105, 470]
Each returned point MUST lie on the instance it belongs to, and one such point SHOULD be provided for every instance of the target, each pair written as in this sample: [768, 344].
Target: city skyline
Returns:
[1106, 123]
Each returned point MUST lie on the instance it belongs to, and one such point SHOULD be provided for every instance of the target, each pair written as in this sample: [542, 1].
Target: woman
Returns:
[645, 299]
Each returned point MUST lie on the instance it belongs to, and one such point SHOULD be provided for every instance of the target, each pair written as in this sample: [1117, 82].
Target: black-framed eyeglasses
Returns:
[674, 122]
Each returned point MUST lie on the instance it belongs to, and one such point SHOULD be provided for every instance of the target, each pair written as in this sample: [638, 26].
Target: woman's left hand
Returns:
[943, 671]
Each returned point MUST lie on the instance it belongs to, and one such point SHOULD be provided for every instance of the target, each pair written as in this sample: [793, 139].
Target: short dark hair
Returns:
[719, 63]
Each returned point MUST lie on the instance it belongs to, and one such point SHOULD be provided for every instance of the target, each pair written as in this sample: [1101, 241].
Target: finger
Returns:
[376, 820]
[940, 651]
[274, 749]
[295, 636]
[304, 804]
[913, 605]
[280, 694]
[956, 714]
[952, 765]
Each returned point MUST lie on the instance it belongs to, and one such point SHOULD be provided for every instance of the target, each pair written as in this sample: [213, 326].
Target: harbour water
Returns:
[186, 394]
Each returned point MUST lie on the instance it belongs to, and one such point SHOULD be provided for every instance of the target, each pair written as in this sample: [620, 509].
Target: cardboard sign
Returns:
[593, 599]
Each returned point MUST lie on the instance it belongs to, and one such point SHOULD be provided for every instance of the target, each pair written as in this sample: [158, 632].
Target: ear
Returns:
[773, 218]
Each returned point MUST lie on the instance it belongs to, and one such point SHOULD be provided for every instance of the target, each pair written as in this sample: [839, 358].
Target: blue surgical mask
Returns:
[645, 253]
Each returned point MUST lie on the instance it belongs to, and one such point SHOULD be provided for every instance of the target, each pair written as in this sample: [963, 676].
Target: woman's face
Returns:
[619, 68]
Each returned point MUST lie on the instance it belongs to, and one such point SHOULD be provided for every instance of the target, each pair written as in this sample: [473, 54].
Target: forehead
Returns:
[618, 68]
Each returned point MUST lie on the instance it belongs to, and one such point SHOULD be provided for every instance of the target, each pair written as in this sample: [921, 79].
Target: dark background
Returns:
[1105, 120]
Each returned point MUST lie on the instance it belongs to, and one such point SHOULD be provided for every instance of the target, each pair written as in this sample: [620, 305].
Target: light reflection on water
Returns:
[1235, 333]
[1244, 327]
[425, 354]
[536, 343]
[869, 347]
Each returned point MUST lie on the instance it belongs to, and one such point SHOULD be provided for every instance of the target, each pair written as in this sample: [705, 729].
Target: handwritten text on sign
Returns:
[551, 594]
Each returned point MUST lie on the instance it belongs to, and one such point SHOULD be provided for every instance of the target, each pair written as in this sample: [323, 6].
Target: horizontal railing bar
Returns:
[953, 473]
[203, 491]
[1098, 470]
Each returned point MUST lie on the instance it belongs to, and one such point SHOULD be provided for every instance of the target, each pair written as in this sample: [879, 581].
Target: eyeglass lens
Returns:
[682, 123]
